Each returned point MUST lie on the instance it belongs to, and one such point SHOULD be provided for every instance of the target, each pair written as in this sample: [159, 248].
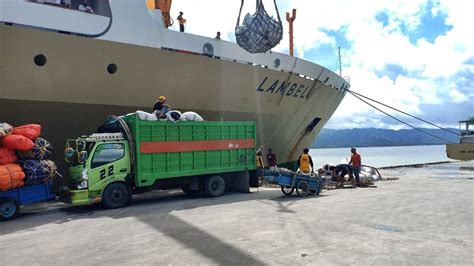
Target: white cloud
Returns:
[457, 96]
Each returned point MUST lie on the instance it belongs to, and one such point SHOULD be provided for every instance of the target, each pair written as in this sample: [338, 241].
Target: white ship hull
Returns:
[72, 93]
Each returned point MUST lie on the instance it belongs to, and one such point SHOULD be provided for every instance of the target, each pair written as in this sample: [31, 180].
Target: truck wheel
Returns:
[214, 186]
[116, 195]
[9, 209]
[287, 190]
[302, 189]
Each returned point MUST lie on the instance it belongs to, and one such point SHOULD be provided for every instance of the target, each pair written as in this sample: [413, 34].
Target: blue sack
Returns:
[41, 150]
[37, 171]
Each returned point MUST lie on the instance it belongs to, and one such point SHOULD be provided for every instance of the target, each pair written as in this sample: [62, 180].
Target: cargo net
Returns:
[42, 150]
[259, 32]
[37, 171]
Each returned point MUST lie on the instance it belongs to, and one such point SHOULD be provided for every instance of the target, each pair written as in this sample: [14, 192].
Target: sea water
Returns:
[382, 156]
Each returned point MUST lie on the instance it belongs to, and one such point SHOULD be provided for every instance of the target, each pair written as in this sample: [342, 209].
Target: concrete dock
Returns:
[425, 217]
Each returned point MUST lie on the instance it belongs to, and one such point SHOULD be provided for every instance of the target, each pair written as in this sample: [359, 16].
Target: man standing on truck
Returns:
[305, 162]
[161, 108]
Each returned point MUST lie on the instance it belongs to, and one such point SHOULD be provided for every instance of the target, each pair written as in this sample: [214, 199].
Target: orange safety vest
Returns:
[304, 163]
[260, 162]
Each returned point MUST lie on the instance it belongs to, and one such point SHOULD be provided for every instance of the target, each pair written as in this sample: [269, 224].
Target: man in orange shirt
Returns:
[182, 21]
[356, 163]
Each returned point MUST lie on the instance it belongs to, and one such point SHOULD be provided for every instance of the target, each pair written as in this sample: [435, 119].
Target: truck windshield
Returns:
[107, 153]
[77, 151]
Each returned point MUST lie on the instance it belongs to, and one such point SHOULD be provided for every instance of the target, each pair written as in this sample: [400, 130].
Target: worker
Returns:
[272, 160]
[161, 108]
[339, 172]
[218, 35]
[182, 21]
[260, 167]
[305, 162]
[356, 163]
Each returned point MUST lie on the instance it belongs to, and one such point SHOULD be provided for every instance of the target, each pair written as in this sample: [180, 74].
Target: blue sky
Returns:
[415, 55]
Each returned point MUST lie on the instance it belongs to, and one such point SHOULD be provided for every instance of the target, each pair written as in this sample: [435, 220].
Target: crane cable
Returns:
[378, 109]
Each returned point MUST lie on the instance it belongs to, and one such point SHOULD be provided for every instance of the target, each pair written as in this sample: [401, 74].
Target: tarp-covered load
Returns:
[37, 171]
[259, 32]
[11, 176]
[7, 156]
[41, 150]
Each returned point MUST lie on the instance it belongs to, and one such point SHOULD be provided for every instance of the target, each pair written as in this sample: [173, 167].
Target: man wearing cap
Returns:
[161, 108]
[356, 163]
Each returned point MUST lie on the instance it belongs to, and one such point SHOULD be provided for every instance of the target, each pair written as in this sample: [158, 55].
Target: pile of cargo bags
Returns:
[24, 156]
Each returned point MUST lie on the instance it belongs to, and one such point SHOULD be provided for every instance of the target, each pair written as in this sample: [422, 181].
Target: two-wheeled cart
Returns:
[290, 181]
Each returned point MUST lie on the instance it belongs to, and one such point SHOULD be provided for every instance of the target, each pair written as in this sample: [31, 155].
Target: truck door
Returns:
[109, 162]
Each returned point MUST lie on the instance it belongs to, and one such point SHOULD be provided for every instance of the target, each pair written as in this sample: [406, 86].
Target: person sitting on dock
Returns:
[356, 163]
[305, 162]
[161, 108]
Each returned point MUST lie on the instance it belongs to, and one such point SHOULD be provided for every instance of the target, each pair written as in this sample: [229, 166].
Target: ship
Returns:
[464, 150]
[68, 70]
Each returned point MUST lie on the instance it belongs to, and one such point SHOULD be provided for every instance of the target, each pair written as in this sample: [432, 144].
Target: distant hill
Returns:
[376, 137]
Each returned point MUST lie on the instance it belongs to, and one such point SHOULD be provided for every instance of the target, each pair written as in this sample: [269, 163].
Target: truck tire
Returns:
[9, 209]
[116, 195]
[214, 186]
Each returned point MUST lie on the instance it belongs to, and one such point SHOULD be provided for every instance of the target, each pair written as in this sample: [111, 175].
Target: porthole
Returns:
[40, 60]
[276, 63]
[208, 49]
[112, 68]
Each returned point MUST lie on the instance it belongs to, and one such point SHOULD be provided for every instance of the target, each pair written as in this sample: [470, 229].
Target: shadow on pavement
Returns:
[155, 210]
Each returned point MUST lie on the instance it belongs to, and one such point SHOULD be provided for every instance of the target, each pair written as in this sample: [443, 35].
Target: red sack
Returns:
[31, 131]
[7, 156]
[11, 176]
[17, 142]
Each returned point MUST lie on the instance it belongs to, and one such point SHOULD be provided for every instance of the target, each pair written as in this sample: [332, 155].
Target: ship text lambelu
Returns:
[285, 88]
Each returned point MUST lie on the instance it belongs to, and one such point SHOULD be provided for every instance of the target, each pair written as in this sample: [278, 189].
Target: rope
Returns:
[259, 5]
[397, 118]
[278, 13]
[240, 12]
[452, 132]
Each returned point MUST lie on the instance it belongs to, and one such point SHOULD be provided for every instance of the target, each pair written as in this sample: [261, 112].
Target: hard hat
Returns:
[161, 98]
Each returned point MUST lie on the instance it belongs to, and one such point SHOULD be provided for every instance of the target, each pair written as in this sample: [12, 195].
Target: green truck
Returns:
[207, 157]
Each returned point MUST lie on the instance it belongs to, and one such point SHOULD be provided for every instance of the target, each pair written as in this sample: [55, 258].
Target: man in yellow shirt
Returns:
[305, 162]
[260, 167]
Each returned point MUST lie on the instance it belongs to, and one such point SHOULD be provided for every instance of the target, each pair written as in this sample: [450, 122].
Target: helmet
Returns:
[161, 99]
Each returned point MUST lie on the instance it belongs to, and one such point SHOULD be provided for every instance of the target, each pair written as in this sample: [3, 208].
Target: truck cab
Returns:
[97, 161]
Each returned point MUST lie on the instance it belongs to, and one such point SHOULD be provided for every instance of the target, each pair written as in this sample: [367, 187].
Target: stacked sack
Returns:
[33, 166]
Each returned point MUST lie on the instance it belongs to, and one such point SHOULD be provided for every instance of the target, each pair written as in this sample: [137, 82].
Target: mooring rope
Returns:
[387, 114]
